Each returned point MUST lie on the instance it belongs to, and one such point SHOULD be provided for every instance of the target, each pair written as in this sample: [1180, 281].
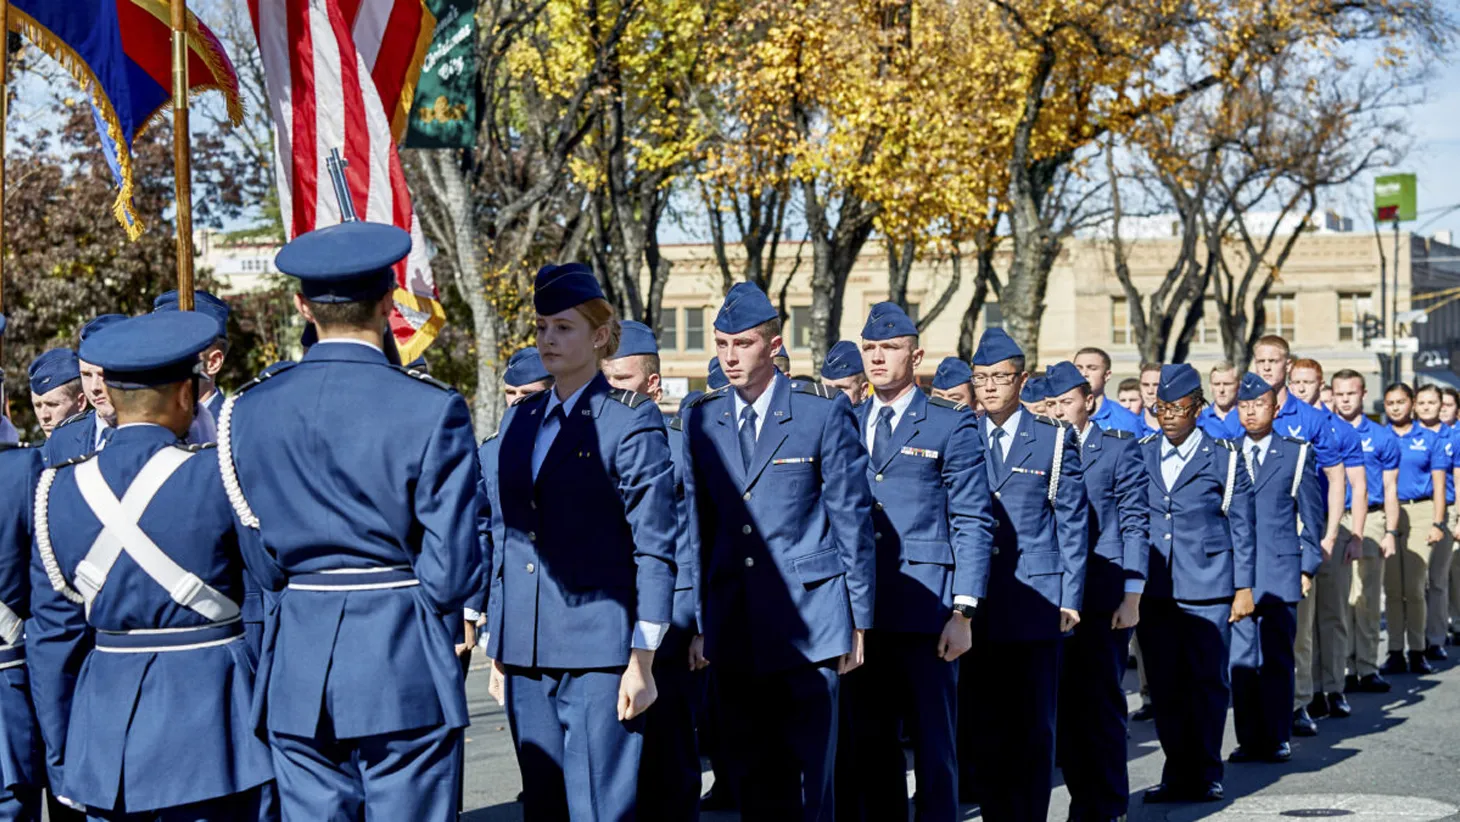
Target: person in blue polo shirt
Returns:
[953, 381]
[1427, 404]
[1423, 464]
[1094, 364]
[842, 370]
[1220, 419]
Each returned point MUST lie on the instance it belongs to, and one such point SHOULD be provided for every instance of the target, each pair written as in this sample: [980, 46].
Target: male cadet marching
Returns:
[933, 534]
[87, 431]
[1199, 581]
[1092, 712]
[55, 388]
[213, 357]
[781, 510]
[22, 754]
[360, 480]
[842, 370]
[669, 767]
[140, 674]
[1287, 500]
[1094, 364]
[1035, 592]
[953, 381]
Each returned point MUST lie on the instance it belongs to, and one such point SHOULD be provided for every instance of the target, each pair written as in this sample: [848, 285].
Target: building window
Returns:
[1352, 306]
[1280, 316]
[800, 336]
[993, 316]
[1120, 330]
[669, 329]
[694, 329]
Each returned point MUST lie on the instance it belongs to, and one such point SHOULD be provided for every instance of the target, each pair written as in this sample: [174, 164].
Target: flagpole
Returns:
[181, 154]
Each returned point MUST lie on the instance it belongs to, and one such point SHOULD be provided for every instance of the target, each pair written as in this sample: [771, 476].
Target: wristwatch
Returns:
[1393, 532]
[1442, 527]
[965, 611]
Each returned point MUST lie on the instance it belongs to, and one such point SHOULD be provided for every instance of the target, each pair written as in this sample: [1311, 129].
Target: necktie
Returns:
[882, 440]
[1256, 462]
[747, 436]
[106, 437]
[996, 450]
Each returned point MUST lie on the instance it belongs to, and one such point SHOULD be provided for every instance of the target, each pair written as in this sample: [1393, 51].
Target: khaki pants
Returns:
[1365, 590]
[1407, 577]
[1437, 592]
[1321, 649]
[1455, 577]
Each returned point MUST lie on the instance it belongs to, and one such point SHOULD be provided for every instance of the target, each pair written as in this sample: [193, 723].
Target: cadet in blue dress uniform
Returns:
[588, 511]
[22, 760]
[1033, 395]
[934, 534]
[669, 771]
[953, 381]
[55, 388]
[781, 510]
[842, 370]
[1094, 364]
[360, 481]
[84, 433]
[210, 305]
[1092, 713]
[1035, 592]
[1202, 569]
[1287, 499]
[715, 375]
[140, 673]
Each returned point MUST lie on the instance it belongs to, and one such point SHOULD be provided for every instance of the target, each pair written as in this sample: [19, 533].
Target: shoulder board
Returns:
[632, 399]
[1296, 440]
[423, 377]
[73, 418]
[709, 395]
[196, 446]
[491, 437]
[1227, 444]
[276, 368]
[1118, 434]
[943, 403]
[1149, 437]
[815, 389]
[75, 460]
[676, 424]
[1048, 421]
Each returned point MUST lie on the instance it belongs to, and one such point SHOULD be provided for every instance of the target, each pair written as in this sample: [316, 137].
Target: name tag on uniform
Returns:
[925, 453]
[1018, 470]
[794, 461]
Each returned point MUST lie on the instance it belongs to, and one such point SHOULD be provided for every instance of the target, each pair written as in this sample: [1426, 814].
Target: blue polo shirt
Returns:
[1111, 415]
[1222, 428]
[1299, 419]
[1381, 453]
[1420, 452]
[1447, 436]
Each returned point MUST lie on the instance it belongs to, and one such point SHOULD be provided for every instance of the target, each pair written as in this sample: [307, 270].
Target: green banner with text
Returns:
[444, 114]
[1394, 198]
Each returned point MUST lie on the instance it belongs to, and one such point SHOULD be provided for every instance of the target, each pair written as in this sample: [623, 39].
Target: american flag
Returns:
[342, 74]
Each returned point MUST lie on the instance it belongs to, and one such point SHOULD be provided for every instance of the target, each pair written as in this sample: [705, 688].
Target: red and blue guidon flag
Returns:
[120, 51]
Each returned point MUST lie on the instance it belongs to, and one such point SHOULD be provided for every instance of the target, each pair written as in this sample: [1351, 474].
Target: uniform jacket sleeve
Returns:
[1312, 509]
[1133, 515]
[848, 502]
[1241, 524]
[57, 641]
[970, 510]
[478, 600]
[1072, 520]
[646, 483]
[447, 507]
[694, 529]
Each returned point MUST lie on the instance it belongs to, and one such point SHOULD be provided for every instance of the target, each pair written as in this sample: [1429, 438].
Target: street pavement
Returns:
[1397, 759]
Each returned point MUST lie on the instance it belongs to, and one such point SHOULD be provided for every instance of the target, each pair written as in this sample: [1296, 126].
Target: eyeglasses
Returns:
[1164, 409]
[1001, 378]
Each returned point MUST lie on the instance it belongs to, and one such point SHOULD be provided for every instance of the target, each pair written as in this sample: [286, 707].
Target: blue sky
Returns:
[1436, 155]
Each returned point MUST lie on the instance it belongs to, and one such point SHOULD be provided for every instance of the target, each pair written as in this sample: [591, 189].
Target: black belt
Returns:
[157, 640]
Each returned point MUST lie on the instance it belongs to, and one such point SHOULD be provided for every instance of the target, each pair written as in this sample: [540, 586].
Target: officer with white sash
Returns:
[138, 666]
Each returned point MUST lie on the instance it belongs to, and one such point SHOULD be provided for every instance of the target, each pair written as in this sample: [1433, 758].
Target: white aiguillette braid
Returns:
[1298, 480]
[226, 468]
[1231, 481]
[43, 538]
[1059, 460]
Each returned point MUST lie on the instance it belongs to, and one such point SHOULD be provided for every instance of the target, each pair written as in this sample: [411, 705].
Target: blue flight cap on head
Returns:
[561, 287]
[635, 338]
[1252, 387]
[98, 324]
[1036, 389]
[1063, 377]
[53, 369]
[887, 321]
[150, 350]
[842, 361]
[203, 302]
[952, 372]
[995, 346]
[1177, 381]
[717, 378]
[745, 307]
[345, 263]
[525, 367]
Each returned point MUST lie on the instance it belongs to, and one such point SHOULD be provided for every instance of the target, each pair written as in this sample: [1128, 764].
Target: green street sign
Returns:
[1394, 198]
